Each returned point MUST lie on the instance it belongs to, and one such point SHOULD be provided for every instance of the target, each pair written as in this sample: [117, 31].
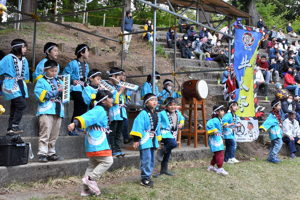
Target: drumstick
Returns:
[175, 76]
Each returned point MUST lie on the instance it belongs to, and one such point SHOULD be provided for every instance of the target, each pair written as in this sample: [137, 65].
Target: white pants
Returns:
[127, 40]
[97, 166]
[293, 34]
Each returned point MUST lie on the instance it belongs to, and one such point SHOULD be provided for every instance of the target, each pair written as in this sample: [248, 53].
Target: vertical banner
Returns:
[245, 50]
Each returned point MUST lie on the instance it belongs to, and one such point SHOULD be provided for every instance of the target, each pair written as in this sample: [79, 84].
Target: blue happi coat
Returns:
[215, 142]
[272, 124]
[39, 72]
[140, 128]
[89, 93]
[228, 132]
[95, 140]
[164, 94]
[45, 96]
[126, 96]
[165, 130]
[73, 69]
[147, 88]
[118, 111]
[11, 88]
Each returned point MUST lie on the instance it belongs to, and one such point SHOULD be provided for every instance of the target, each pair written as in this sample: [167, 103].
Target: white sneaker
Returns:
[221, 171]
[230, 161]
[211, 169]
[192, 57]
[234, 160]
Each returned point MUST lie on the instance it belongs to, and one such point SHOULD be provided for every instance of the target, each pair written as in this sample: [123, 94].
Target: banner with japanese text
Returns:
[245, 50]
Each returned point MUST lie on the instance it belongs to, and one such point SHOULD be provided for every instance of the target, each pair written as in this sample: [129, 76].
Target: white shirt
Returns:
[290, 129]
[259, 76]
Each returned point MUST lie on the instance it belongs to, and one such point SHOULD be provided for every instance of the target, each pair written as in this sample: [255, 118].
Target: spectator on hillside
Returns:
[288, 55]
[171, 38]
[266, 30]
[184, 24]
[271, 44]
[206, 47]
[260, 81]
[149, 28]
[196, 46]
[216, 50]
[185, 45]
[203, 35]
[290, 132]
[280, 35]
[224, 30]
[290, 83]
[128, 24]
[191, 33]
[293, 47]
[273, 33]
[238, 22]
[280, 67]
[260, 23]
[283, 46]
[221, 59]
[275, 49]
[297, 60]
[273, 69]
[290, 30]
[264, 67]
[298, 45]
[264, 41]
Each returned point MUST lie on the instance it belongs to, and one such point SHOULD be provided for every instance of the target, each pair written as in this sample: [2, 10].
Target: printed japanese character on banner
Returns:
[248, 40]
[245, 63]
[244, 87]
[243, 103]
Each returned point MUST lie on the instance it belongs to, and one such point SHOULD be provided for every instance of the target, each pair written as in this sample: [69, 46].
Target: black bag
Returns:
[2, 54]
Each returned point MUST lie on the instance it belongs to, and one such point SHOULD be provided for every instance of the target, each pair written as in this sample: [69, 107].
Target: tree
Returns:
[27, 6]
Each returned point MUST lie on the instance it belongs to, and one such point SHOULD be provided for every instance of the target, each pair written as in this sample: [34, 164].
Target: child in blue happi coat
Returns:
[78, 70]
[147, 87]
[230, 124]
[92, 87]
[118, 112]
[171, 122]
[167, 91]
[273, 124]
[51, 53]
[48, 92]
[214, 128]
[96, 122]
[146, 134]
[14, 67]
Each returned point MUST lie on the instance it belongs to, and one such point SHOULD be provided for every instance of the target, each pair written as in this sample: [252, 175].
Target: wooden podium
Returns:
[193, 107]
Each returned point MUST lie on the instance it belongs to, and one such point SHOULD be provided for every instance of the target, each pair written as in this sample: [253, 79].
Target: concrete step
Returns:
[182, 62]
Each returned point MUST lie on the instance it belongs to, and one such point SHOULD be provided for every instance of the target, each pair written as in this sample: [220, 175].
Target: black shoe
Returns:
[147, 182]
[55, 157]
[160, 154]
[167, 173]
[43, 159]
[164, 169]
[128, 140]
[16, 129]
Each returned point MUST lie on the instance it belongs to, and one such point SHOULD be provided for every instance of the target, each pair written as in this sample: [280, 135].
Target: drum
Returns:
[194, 88]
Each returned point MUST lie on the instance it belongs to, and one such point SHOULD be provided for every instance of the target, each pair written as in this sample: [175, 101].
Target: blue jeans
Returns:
[125, 129]
[291, 143]
[275, 147]
[148, 36]
[266, 76]
[169, 144]
[230, 149]
[147, 162]
[293, 87]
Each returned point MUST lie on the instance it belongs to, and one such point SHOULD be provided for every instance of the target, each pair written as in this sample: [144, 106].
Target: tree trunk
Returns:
[27, 7]
[251, 10]
[128, 7]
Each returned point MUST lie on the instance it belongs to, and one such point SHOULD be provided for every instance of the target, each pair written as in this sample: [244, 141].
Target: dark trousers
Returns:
[169, 144]
[291, 143]
[79, 105]
[265, 85]
[170, 43]
[186, 53]
[115, 136]
[217, 159]
[221, 59]
[125, 129]
[17, 108]
[230, 149]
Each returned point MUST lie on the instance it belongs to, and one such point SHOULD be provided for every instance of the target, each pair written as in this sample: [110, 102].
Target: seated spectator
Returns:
[149, 28]
[206, 48]
[273, 33]
[290, 132]
[288, 55]
[264, 41]
[185, 45]
[216, 50]
[183, 23]
[281, 67]
[191, 33]
[280, 35]
[238, 22]
[288, 105]
[273, 69]
[221, 59]
[260, 23]
[226, 53]
[224, 30]
[203, 35]
[171, 38]
[275, 49]
[283, 47]
[271, 44]
[289, 81]
[196, 46]
[264, 67]
[297, 60]
[290, 63]
[290, 30]
[260, 81]
[293, 47]
[298, 45]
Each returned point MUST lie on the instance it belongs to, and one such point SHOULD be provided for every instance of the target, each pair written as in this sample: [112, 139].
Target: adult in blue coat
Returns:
[260, 23]
[171, 38]
[128, 24]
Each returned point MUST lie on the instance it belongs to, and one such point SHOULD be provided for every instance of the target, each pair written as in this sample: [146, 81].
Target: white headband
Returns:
[171, 102]
[166, 83]
[153, 97]
[81, 49]
[95, 74]
[96, 102]
[215, 110]
[48, 67]
[21, 44]
[275, 104]
[155, 75]
[114, 73]
[48, 49]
